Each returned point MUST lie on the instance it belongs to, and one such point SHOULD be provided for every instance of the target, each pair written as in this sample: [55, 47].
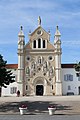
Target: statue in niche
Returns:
[33, 66]
[51, 71]
[27, 70]
[45, 64]
[39, 60]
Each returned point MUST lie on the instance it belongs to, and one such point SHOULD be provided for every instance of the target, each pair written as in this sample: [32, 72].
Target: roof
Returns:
[15, 66]
[67, 65]
[12, 66]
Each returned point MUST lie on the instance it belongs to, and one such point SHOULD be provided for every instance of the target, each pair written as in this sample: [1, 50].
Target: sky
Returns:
[64, 13]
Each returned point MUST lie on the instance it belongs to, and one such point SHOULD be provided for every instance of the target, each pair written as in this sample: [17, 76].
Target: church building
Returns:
[39, 70]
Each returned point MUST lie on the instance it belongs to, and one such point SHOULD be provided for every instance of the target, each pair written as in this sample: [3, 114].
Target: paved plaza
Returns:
[38, 105]
[39, 117]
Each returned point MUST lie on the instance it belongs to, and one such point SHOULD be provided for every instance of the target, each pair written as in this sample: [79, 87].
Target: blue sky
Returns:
[64, 13]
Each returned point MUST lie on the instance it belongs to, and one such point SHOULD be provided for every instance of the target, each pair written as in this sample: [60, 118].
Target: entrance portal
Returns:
[39, 90]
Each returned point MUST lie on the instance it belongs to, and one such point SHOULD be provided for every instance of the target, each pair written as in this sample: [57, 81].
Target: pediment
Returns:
[39, 33]
[42, 34]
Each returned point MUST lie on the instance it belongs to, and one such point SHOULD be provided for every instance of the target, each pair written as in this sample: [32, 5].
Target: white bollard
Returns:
[22, 110]
[51, 110]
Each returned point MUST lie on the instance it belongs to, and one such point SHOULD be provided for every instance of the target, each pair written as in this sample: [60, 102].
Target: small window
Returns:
[68, 77]
[50, 57]
[13, 90]
[43, 43]
[69, 87]
[52, 87]
[39, 32]
[39, 43]
[28, 58]
[34, 44]
[26, 87]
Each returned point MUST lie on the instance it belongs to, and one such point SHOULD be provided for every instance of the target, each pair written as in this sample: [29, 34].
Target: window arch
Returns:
[43, 43]
[39, 43]
[34, 44]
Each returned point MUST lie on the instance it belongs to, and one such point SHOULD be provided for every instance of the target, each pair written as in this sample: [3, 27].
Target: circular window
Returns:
[50, 58]
[39, 32]
[28, 58]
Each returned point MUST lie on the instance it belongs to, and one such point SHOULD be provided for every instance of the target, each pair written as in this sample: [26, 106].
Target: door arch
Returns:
[40, 84]
[39, 90]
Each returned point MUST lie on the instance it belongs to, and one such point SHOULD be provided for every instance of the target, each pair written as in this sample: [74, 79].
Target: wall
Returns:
[74, 84]
[6, 91]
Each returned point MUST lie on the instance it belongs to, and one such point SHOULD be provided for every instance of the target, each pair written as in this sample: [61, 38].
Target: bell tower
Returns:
[21, 44]
[57, 45]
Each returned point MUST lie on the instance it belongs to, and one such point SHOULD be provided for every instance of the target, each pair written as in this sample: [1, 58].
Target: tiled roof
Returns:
[15, 66]
[12, 66]
[67, 65]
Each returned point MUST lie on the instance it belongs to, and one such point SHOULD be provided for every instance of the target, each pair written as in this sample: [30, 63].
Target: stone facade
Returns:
[39, 63]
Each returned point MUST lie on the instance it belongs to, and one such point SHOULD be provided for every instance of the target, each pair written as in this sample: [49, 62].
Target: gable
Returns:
[39, 33]
[41, 39]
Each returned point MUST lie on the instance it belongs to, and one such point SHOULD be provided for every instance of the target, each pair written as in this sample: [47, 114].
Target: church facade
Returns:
[39, 63]
[39, 70]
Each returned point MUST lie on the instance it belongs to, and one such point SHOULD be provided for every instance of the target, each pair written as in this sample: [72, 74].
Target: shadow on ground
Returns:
[33, 107]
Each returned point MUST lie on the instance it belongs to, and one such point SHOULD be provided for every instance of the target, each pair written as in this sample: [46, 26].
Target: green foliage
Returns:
[77, 67]
[5, 75]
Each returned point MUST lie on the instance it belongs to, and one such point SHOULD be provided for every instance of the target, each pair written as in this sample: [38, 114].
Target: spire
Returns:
[39, 21]
[21, 28]
[57, 33]
[21, 32]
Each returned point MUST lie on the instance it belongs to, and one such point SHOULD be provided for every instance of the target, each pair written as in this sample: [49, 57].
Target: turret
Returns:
[57, 45]
[57, 35]
[21, 41]
[21, 44]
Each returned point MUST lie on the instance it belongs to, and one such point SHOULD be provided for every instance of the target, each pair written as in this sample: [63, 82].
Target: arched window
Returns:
[34, 44]
[43, 43]
[39, 43]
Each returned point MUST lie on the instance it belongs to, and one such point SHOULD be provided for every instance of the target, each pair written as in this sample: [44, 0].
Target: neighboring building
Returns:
[39, 70]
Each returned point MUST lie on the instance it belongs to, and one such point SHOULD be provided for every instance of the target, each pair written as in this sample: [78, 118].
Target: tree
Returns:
[77, 68]
[6, 76]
